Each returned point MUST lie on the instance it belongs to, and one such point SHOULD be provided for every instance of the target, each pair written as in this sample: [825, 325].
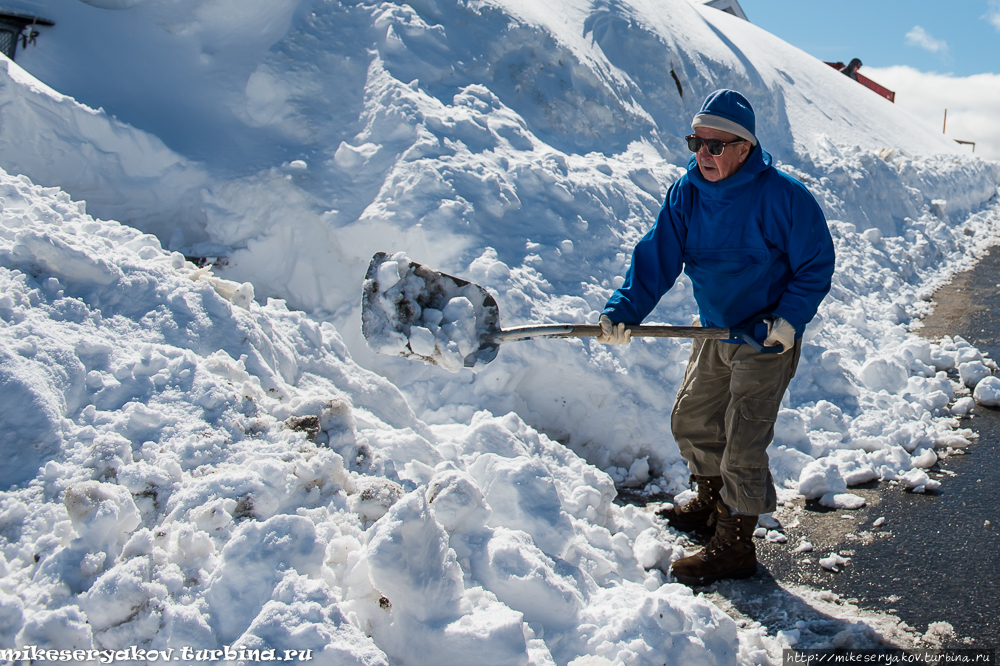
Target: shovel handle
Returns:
[652, 331]
[592, 331]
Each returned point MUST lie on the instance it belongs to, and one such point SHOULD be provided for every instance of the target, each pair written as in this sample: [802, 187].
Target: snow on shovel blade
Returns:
[410, 310]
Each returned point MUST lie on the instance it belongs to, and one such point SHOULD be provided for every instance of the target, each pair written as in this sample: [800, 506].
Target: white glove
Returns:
[613, 335]
[780, 332]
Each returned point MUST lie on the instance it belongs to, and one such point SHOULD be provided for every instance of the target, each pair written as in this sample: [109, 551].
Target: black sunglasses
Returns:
[715, 147]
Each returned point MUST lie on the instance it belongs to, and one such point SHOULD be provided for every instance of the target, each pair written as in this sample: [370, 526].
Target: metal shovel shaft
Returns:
[592, 331]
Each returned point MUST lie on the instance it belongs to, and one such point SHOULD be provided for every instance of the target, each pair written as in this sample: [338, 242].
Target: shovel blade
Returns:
[413, 311]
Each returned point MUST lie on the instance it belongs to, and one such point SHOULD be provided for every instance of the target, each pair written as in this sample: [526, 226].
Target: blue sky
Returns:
[957, 36]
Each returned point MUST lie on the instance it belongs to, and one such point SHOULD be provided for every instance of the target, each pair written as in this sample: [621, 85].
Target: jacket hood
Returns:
[758, 160]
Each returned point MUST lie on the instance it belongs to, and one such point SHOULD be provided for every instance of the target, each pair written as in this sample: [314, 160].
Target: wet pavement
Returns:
[937, 555]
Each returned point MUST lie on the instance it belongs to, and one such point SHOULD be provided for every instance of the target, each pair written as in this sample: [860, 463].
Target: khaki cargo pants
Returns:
[724, 416]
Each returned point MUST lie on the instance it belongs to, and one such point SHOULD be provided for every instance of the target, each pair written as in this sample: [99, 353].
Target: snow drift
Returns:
[528, 148]
[216, 472]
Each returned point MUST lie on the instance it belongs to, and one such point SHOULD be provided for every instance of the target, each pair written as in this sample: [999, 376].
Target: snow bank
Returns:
[120, 172]
[528, 149]
[213, 472]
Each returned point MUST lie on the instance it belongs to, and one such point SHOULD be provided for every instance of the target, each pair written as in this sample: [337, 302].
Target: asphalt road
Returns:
[937, 556]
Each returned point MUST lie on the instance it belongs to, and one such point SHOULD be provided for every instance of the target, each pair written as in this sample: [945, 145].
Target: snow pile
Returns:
[215, 472]
[527, 149]
[522, 146]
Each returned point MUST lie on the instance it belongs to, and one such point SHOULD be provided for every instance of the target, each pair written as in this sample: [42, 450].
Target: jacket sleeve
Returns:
[656, 263]
[811, 259]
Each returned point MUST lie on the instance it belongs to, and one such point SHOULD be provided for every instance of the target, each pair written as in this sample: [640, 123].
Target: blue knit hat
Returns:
[729, 111]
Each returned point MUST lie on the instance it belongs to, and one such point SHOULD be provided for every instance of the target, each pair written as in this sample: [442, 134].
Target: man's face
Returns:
[725, 165]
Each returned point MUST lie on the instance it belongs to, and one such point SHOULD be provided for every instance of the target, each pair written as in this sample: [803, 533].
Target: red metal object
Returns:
[868, 83]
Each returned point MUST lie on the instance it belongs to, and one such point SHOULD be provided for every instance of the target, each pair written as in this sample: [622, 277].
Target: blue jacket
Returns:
[754, 243]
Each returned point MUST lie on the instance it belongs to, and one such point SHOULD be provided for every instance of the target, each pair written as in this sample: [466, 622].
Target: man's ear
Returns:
[745, 149]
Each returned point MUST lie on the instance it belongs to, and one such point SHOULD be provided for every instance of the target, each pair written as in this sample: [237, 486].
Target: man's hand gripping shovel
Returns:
[413, 311]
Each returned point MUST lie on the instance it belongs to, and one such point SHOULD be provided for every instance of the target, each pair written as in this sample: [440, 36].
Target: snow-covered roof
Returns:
[731, 6]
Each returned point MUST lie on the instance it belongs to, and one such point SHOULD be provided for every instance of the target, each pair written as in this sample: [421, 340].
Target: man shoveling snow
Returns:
[754, 243]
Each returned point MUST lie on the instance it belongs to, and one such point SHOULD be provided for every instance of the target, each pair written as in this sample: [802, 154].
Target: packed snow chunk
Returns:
[239, 294]
[943, 359]
[820, 478]
[881, 374]
[459, 310]
[833, 562]
[303, 620]
[65, 628]
[682, 498]
[873, 236]
[916, 353]
[388, 275]
[457, 502]
[768, 521]
[374, 496]
[925, 458]
[252, 563]
[788, 637]
[650, 550]
[855, 466]
[103, 515]
[422, 341]
[523, 495]
[917, 480]
[787, 463]
[121, 594]
[350, 157]
[774, 536]
[638, 473]
[411, 563]
[804, 547]
[973, 372]
[410, 310]
[987, 392]
[964, 405]
[848, 501]
[529, 581]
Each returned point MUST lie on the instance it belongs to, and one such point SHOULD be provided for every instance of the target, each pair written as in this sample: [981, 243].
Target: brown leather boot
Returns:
[730, 554]
[699, 513]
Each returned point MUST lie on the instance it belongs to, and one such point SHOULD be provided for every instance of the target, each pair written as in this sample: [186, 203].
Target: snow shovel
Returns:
[413, 311]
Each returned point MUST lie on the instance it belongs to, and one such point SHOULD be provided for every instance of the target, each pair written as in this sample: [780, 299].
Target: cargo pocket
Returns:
[747, 448]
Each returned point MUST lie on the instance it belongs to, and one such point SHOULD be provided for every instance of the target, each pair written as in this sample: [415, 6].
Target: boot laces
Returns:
[727, 534]
[717, 545]
[706, 498]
